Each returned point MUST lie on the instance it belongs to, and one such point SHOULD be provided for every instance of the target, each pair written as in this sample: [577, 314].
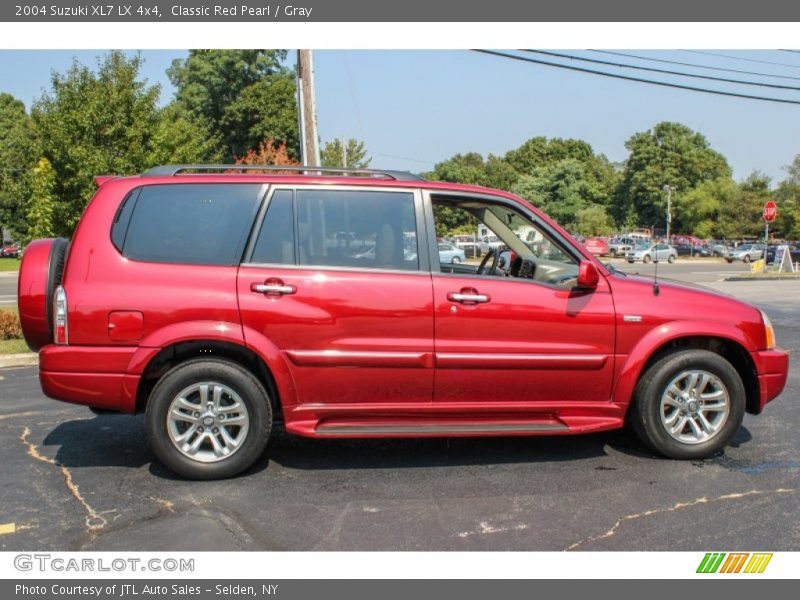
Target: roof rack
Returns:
[172, 170]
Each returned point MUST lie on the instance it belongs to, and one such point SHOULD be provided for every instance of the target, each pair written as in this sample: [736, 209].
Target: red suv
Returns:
[217, 301]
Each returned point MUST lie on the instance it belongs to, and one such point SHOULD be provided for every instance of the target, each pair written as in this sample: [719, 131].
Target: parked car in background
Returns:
[692, 250]
[619, 246]
[794, 252]
[490, 242]
[649, 252]
[11, 249]
[448, 253]
[597, 246]
[746, 253]
[718, 248]
[468, 244]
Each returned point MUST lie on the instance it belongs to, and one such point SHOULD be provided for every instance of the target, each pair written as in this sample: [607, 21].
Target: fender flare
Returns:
[653, 340]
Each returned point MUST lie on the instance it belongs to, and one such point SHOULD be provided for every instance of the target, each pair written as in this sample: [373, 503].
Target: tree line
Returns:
[588, 194]
[240, 106]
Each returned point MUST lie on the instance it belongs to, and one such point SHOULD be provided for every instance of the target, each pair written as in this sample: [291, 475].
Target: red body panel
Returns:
[529, 342]
[351, 347]
[348, 336]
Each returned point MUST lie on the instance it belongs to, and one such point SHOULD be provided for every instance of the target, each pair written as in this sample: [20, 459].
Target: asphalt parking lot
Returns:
[70, 480]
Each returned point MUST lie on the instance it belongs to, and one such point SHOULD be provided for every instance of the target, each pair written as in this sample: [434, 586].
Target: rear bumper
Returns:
[773, 369]
[89, 375]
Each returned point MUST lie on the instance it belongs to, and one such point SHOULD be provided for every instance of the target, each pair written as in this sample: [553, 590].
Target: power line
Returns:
[753, 60]
[694, 65]
[664, 71]
[637, 79]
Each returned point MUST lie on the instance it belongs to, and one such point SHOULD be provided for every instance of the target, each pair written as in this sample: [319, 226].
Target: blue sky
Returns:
[414, 108]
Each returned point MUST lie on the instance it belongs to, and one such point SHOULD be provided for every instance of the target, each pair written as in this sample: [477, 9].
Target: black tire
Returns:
[746, 258]
[613, 254]
[729, 260]
[455, 260]
[671, 259]
[250, 390]
[644, 411]
[646, 259]
[55, 274]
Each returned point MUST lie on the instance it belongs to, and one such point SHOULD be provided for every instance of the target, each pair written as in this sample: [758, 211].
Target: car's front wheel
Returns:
[688, 404]
[455, 260]
[746, 258]
[208, 419]
[646, 258]
[671, 259]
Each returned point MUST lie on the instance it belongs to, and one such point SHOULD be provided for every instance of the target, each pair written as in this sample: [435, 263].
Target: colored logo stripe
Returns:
[710, 562]
[758, 563]
[713, 562]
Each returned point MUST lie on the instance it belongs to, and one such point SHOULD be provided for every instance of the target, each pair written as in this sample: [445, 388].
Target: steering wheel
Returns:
[493, 269]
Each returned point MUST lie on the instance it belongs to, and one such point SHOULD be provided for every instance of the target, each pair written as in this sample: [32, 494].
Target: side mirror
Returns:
[588, 277]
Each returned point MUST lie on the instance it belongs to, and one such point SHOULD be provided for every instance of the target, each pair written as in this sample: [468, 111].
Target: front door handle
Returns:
[272, 287]
[468, 296]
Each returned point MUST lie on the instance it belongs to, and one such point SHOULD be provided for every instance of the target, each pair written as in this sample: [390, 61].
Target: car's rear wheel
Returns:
[646, 258]
[208, 419]
[688, 404]
[455, 260]
[671, 259]
[746, 258]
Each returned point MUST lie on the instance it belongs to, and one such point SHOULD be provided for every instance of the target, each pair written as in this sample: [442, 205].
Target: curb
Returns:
[761, 279]
[9, 273]
[25, 359]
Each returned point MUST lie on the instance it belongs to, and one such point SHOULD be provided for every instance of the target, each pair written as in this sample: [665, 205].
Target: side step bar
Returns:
[440, 429]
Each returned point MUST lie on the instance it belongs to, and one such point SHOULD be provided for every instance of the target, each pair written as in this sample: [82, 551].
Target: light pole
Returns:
[668, 189]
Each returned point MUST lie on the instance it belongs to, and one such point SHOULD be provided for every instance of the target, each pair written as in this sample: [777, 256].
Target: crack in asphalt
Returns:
[676, 507]
[22, 414]
[94, 521]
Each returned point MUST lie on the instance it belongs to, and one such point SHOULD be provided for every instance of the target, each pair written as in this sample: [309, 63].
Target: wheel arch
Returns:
[731, 345]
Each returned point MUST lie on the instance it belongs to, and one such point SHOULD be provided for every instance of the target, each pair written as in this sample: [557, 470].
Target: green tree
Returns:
[787, 197]
[107, 121]
[332, 154]
[471, 168]
[245, 97]
[668, 154]
[594, 220]
[561, 190]
[40, 203]
[19, 150]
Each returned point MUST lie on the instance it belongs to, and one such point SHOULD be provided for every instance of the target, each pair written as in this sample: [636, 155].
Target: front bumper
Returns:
[772, 367]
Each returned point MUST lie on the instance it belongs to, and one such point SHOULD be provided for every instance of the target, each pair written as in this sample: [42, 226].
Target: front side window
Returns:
[519, 247]
[359, 229]
[199, 224]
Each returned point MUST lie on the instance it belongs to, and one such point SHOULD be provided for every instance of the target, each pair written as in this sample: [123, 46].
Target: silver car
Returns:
[650, 252]
[746, 253]
[448, 253]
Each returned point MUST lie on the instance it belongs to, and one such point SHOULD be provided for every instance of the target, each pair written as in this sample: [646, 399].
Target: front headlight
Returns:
[769, 330]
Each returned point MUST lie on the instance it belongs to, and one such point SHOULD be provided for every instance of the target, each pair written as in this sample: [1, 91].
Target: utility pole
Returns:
[668, 189]
[307, 109]
[344, 152]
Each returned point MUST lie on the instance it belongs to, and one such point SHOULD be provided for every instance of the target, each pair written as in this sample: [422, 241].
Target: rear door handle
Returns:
[272, 287]
[468, 296]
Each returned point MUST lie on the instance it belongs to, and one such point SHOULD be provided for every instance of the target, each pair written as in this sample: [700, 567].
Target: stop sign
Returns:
[770, 211]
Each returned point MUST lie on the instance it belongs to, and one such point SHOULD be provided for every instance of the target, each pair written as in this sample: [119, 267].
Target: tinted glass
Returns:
[202, 224]
[361, 229]
[275, 243]
[123, 217]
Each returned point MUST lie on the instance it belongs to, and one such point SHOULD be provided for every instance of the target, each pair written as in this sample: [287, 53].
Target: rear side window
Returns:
[199, 224]
[360, 229]
[275, 241]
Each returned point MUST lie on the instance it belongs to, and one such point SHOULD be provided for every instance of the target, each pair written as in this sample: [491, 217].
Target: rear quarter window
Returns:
[199, 224]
